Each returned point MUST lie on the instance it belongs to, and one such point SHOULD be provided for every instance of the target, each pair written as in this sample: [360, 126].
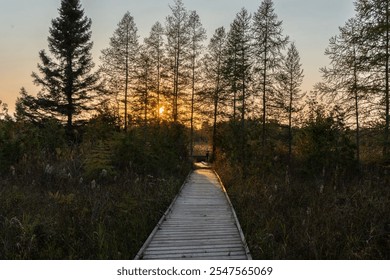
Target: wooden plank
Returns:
[196, 230]
[192, 238]
[203, 247]
[182, 246]
[202, 241]
[199, 224]
[192, 255]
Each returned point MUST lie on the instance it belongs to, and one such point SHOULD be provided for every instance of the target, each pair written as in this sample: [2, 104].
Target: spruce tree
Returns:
[68, 85]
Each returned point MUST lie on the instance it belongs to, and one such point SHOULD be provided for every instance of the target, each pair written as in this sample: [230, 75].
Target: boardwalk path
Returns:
[200, 224]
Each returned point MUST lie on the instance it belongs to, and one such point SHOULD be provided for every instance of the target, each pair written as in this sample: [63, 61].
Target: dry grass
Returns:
[80, 221]
[99, 199]
[306, 221]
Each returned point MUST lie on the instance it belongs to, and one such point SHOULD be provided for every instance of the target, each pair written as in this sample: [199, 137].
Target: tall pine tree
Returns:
[344, 80]
[143, 100]
[119, 62]
[238, 71]
[197, 36]
[214, 82]
[154, 45]
[177, 49]
[375, 38]
[290, 78]
[68, 85]
[269, 41]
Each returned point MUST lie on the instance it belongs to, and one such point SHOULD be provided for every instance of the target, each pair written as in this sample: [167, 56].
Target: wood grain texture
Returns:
[199, 224]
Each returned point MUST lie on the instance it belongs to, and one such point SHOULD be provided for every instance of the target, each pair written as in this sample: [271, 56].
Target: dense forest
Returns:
[90, 162]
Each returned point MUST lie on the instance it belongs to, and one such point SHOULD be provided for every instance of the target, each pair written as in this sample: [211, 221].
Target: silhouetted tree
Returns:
[215, 83]
[238, 71]
[269, 41]
[119, 62]
[154, 46]
[375, 38]
[197, 36]
[143, 99]
[68, 85]
[344, 80]
[177, 48]
[3, 110]
[290, 78]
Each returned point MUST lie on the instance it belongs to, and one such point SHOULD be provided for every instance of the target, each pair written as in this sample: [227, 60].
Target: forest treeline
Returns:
[88, 163]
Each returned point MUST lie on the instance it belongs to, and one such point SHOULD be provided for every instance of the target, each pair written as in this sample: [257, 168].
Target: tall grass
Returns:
[97, 199]
[109, 221]
[309, 221]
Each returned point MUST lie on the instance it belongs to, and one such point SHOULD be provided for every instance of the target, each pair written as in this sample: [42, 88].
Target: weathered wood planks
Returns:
[199, 224]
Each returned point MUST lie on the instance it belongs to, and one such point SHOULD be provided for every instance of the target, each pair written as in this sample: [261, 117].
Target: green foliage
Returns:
[324, 144]
[98, 161]
[100, 139]
[20, 142]
[227, 140]
[154, 150]
[257, 158]
[3, 111]
[9, 148]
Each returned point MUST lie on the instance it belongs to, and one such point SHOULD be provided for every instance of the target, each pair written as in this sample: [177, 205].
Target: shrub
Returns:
[157, 150]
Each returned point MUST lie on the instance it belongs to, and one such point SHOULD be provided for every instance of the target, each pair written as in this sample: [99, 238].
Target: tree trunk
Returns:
[264, 94]
[127, 77]
[290, 127]
[214, 148]
[158, 85]
[146, 99]
[356, 96]
[176, 79]
[192, 106]
[216, 101]
[235, 87]
[243, 126]
[387, 87]
[69, 96]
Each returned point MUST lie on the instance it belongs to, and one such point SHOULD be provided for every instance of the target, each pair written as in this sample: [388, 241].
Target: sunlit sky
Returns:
[24, 28]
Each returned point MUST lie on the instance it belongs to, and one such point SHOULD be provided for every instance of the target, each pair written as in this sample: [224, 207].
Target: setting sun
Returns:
[161, 110]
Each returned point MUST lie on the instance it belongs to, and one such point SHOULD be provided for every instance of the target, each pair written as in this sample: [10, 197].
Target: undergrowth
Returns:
[304, 220]
[96, 199]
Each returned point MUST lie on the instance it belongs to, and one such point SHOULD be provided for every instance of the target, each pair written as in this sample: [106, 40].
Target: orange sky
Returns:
[24, 26]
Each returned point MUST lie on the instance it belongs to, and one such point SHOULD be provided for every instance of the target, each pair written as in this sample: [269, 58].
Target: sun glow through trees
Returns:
[161, 110]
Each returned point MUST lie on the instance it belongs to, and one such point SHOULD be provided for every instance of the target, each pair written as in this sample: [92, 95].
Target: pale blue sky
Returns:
[24, 27]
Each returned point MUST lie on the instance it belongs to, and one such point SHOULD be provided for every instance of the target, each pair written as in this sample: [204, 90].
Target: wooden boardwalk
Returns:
[199, 224]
